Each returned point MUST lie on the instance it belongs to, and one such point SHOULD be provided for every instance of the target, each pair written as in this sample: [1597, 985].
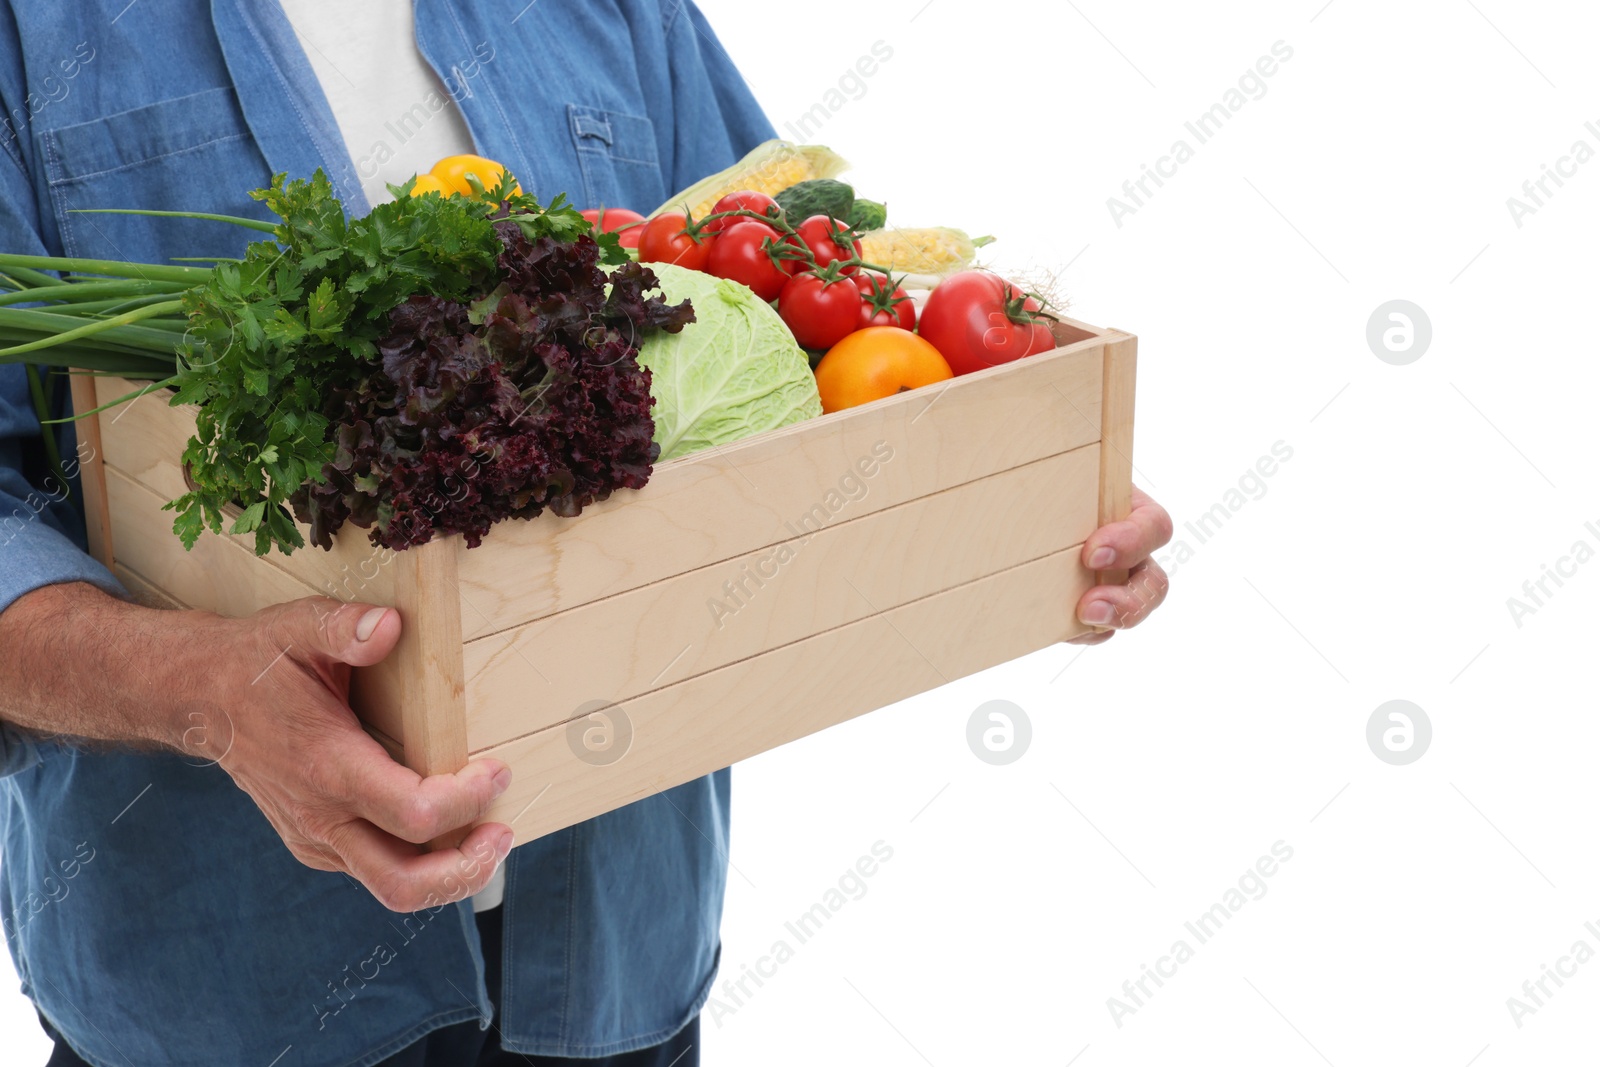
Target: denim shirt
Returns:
[153, 914]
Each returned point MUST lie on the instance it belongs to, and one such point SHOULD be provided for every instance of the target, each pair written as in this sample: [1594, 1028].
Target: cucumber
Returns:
[867, 215]
[817, 196]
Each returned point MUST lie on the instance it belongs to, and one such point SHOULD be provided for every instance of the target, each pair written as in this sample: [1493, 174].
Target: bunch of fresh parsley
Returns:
[298, 320]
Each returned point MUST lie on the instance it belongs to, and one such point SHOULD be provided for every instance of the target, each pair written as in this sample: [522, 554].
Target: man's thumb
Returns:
[357, 634]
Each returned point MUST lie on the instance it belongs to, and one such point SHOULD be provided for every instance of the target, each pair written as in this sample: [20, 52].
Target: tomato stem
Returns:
[832, 272]
[1016, 309]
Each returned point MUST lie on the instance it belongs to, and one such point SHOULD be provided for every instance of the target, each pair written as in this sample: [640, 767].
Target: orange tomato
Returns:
[876, 362]
[427, 183]
[452, 171]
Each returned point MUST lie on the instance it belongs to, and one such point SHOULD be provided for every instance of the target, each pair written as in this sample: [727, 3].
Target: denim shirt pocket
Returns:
[190, 153]
[617, 157]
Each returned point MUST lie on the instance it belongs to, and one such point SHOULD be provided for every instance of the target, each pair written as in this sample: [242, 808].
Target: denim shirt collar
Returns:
[283, 104]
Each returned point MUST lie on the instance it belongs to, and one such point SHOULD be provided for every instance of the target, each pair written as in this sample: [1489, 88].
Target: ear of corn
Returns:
[769, 168]
[926, 254]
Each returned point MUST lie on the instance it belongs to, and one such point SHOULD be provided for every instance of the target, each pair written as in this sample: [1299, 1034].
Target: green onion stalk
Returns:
[97, 316]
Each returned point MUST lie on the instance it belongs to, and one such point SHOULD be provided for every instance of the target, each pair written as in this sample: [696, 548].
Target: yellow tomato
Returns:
[876, 362]
[452, 172]
[427, 183]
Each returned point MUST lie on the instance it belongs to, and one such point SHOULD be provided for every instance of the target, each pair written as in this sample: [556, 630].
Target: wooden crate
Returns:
[749, 595]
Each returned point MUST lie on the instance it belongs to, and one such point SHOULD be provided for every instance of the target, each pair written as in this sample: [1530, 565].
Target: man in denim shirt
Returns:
[154, 914]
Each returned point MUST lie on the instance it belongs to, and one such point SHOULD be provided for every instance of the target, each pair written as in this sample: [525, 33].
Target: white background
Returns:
[1376, 566]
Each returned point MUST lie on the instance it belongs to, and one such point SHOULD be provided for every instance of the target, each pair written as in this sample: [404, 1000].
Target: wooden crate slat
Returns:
[1067, 331]
[144, 591]
[722, 502]
[145, 436]
[541, 673]
[218, 575]
[683, 731]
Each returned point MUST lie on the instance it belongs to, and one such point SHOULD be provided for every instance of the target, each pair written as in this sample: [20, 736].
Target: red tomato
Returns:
[820, 314]
[977, 319]
[665, 240]
[828, 239]
[744, 199]
[611, 219]
[740, 253]
[881, 306]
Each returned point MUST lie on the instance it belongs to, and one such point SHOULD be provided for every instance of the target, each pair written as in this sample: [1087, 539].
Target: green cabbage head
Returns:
[733, 372]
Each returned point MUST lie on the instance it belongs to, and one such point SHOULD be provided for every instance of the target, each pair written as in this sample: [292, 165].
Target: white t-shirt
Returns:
[384, 97]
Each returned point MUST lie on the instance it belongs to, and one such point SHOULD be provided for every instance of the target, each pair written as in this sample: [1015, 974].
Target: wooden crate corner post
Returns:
[1116, 436]
[91, 471]
[415, 700]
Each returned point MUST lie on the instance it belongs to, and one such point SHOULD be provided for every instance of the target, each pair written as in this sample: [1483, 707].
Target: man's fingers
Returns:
[399, 801]
[1122, 606]
[1124, 545]
[406, 879]
[355, 634]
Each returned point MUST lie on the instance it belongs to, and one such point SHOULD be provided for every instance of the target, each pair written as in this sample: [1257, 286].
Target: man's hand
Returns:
[266, 698]
[333, 793]
[1125, 545]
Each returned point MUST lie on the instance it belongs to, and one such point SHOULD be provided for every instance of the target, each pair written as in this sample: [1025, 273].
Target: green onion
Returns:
[93, 327]
[94, 308]
[254, 224]
[109, 268]
[68, 291]
[41, 403]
